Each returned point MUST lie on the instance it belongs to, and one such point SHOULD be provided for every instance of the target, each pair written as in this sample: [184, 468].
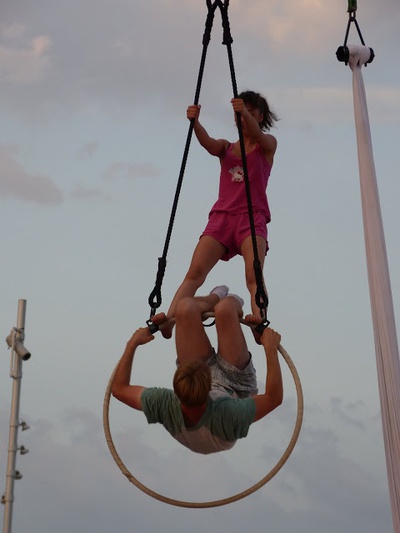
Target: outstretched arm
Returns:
[215, 147]
[121, 388]
[273, 396]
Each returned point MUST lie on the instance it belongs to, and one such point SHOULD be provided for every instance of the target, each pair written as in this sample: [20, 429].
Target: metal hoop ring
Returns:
[224, 501]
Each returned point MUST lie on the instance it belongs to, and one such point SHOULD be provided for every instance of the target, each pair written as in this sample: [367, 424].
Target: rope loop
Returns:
[261, 297]
[227, 36]
[155, 298]
[212, 6]
[262, 303]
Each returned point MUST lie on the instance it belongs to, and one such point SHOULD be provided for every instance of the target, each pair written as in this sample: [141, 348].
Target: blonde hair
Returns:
[192, 383]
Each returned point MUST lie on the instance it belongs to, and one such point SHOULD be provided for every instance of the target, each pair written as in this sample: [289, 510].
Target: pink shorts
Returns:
[231, 230]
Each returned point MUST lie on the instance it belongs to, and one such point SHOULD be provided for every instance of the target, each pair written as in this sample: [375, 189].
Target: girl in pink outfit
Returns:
[228, 230]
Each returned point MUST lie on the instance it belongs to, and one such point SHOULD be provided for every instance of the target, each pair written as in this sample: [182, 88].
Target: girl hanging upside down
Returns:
[215, 399]
[228, 232]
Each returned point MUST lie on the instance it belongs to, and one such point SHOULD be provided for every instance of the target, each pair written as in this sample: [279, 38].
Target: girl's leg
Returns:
[231, 341]
[248, 256]
[205, 256]
[191, 339]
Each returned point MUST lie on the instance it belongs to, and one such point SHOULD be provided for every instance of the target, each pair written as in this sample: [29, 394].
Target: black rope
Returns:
[261, 298]
[352, 18]
[155, 297]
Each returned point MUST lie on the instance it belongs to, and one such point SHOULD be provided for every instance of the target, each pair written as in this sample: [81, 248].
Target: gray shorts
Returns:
[226, 377]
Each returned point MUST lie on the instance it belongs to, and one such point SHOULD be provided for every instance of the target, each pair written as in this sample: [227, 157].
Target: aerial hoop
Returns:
[224, 501]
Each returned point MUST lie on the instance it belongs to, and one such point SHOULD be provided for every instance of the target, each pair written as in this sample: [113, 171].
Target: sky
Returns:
[93, 127]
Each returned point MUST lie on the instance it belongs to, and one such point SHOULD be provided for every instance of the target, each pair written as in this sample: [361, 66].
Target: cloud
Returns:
[113, 57]
[293, 25]
[330, 104]
[86, 193]
[16, 182]
[70, 468]
[88, 149]
[350, 412]
[23, 61]
[127, 171]
[326, 483]
[127, 58]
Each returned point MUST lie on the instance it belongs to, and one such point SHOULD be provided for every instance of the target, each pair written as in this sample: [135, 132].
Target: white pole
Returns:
[18, 354]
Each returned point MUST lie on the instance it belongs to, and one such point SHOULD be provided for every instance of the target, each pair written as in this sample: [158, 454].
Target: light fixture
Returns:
[24, 425]
[23, 450]
[14, 343]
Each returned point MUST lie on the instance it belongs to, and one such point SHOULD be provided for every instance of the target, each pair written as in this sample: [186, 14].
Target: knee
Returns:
[196, 274]
[185, 308]
[226, 308]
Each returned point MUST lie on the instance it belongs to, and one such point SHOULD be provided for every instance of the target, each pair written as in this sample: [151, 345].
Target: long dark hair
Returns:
[257, 101]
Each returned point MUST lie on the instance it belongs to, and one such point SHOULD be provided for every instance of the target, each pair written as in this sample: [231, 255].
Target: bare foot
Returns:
[253, 321]
[166, 329]
[164, 323]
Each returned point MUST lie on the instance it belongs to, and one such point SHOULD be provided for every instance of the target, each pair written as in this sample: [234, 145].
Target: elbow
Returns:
[256, 134]
[116, 391]
[278, 400]
[280, 397]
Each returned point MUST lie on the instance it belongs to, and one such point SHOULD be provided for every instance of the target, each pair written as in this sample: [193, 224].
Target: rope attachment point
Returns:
[155, 298]
[343, 52]
[352, 8]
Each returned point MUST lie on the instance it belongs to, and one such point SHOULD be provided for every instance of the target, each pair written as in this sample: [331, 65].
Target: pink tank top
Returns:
[232, 189]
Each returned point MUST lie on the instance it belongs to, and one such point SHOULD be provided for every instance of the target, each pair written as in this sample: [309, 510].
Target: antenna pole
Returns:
[18, 354]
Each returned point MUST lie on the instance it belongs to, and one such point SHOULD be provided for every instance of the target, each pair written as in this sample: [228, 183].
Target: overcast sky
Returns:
[93, 126]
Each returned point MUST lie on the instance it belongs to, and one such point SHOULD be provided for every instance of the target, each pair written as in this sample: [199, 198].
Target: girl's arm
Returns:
[121, 387]
[273, 396]
[268, 145]
[265, 141]
[213, 146]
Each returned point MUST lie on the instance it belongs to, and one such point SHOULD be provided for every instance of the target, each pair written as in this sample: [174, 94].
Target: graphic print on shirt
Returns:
[237, 173]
